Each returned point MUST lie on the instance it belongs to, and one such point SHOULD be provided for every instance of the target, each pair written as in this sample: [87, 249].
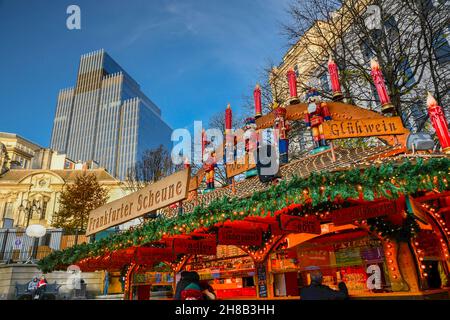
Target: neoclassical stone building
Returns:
[32, 196]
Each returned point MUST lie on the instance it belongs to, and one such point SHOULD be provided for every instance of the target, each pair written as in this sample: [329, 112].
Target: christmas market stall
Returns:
[374, 216]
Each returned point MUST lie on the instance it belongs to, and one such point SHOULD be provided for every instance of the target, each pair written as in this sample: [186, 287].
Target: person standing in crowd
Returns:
[188, 288]
[317, 291]
[181, 284]
[122, 278]
[193, 290]
[106, 283]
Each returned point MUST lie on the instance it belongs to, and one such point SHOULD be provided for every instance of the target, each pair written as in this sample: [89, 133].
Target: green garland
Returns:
[315, 193]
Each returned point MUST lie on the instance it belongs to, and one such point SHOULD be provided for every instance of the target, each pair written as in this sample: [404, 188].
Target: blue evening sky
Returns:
[191, 57]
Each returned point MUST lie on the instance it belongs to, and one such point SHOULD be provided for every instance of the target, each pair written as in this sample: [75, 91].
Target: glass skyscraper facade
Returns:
[106, 117]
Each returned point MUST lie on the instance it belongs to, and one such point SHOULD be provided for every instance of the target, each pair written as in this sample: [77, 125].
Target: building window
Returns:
[46, 239]
[8, 214]
[324, 84]
[442, 50]
[44, 210]
[407, 72]
[366, 51]
[297, 73]
[392, 31]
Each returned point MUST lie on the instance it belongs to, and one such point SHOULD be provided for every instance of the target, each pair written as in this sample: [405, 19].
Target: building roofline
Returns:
[17, 136]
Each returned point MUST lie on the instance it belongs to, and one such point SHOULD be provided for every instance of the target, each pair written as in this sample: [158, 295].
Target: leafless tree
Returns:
[399, 43]
[154, 165]
[433, 23]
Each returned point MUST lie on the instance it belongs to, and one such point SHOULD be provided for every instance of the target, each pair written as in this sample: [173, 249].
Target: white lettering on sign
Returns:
[74, 20]
[374, 280]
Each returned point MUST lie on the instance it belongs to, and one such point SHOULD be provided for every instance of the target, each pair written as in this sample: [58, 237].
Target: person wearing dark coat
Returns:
[317, 291]
[187, 278]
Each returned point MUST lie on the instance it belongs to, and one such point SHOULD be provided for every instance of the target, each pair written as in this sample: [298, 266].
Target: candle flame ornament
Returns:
[334, 78]
[257, 98]
[439, 123]
[378, 80]
[292, 81]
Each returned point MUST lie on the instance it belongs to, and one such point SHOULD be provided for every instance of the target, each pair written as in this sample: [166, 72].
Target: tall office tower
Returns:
[106, 117]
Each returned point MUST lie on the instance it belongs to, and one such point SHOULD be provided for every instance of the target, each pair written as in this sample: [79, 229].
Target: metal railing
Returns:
[16, 246]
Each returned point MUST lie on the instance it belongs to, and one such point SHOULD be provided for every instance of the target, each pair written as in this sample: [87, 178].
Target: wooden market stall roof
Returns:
[100, 253]
[345, 159]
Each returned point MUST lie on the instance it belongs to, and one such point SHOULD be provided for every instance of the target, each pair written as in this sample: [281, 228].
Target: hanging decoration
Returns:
[318, 194]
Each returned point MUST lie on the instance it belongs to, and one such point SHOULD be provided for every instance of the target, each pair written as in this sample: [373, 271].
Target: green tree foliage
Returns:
[77, 200]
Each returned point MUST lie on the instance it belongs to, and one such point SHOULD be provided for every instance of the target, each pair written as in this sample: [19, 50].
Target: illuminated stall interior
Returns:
[231, 272]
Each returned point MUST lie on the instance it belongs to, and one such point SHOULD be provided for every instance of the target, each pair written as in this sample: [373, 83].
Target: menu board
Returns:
[348, 257]
[262, 280]
[372, 255]
[153, 277]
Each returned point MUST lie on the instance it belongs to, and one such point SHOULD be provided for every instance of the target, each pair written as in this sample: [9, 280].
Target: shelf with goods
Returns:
[153, 278]
[231, 272]
[346, 257]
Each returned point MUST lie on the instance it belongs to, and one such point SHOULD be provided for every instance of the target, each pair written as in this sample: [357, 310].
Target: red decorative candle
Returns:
[439, 122]
[257, 98]
[228, 118]
[292, 81]
[378, 80]
[334, 78]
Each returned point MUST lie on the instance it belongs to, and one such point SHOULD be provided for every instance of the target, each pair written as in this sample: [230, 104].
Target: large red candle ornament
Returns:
[257, 98]
[229, 138]
[439, 123]
[334, 78]
[378, 79]
[228, 118]
[292, 81]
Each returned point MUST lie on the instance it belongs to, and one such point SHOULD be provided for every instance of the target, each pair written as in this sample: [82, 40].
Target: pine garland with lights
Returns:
[387, 229]
[320, 192]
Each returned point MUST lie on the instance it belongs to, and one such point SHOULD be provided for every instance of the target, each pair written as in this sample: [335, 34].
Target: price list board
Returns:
[262, 280]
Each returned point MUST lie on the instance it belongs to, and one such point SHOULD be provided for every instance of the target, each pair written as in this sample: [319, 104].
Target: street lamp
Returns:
[29, 208]
[34, 231]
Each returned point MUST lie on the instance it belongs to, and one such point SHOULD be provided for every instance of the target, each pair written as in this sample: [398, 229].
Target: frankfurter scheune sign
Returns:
[158, 195]
[363, 128]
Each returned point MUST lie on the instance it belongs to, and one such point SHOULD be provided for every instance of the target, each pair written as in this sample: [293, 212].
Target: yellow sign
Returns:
[240, 166]
[363, 128]
[158, 195]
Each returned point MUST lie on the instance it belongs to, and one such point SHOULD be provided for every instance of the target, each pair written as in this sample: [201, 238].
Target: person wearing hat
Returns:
[41, 287]
[32, 286]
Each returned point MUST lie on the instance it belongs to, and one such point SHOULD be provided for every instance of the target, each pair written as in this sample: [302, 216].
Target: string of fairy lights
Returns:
[318, 194]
